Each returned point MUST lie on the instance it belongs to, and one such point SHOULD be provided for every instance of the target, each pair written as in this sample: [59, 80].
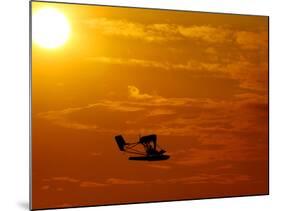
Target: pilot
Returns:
[151, 150]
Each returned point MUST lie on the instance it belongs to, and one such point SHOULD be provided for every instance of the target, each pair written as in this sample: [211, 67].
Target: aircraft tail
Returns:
[120, 142]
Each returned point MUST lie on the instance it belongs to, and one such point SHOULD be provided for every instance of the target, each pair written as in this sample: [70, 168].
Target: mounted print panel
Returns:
[137, 105]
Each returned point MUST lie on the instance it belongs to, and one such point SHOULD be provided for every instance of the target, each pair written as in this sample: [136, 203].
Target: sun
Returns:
[50, 28]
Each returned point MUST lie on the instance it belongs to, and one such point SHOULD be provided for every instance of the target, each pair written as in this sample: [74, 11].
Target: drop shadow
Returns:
[24, 205]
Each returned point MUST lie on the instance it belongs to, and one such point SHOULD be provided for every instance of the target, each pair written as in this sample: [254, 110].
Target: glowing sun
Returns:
[50, 28]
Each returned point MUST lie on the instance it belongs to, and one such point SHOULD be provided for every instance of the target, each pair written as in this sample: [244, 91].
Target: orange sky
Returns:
[197, 80]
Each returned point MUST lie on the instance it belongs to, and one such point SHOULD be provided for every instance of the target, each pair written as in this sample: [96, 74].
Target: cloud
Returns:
[124, 28]
[223, 178]
[197, 178]
[252, 40]
[190, 65]
[159, 112]
[65, 179]
[250, 75]
[118, 106]
[45, 187]
[110, 181]
[206, 33]
[134, 92]
[163, 32]
[55, 183]
[137, 102]
[90, 184]
[212, 132]
[211, 51]
[130, 61]
[159, 166]
[61, 117]
[118, 181]
[58, 117]
[202, 118]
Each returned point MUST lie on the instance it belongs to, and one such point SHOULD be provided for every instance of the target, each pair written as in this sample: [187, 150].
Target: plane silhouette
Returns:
[152, 151]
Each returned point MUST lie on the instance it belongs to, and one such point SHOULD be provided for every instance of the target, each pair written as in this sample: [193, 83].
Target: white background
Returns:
[14, 104]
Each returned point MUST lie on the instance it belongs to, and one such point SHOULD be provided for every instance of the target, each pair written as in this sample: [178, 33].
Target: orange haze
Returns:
[197, 80]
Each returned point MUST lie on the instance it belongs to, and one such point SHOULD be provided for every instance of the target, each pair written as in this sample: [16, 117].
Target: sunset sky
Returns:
[197, 80]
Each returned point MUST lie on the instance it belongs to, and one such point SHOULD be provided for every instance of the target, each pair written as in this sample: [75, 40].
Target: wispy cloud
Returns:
[207, 33]
[242, 70]
[90, 184]
[252, 40]
[159, 166]
[119, 181]
[124, 28]
[130, 61]
[160, 111]
[190, 65]
[45, 187]
[163, 32]
[60, 118]
[223, 178]
[224, 130]
[198, 117]
[63, 179]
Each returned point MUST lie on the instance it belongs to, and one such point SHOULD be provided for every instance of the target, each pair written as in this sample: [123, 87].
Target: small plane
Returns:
[152, 151]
